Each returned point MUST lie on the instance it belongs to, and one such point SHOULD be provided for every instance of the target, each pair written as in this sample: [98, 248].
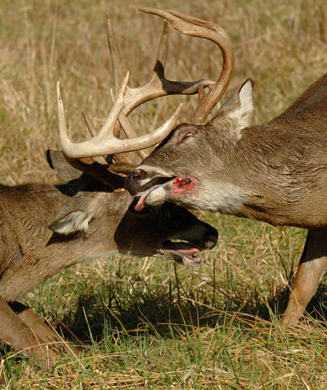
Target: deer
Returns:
[275, 172]
[47, 228]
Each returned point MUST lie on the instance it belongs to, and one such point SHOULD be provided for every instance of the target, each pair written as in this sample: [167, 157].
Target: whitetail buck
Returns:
[275, 172]
[45, 228]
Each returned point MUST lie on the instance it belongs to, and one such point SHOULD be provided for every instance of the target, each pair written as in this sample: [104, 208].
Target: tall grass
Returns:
[145, 323]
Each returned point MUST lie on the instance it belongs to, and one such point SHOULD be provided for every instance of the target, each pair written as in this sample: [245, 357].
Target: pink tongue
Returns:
[141, 203]
[189, 252]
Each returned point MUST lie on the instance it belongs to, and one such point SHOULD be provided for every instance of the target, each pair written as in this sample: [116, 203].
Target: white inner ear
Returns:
[73, 222]
[244, 114]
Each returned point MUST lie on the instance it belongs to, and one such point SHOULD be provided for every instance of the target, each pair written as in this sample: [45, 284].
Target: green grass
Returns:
[146, 323]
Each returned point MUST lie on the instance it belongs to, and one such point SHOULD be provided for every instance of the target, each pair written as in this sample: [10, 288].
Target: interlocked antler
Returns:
[106, 141]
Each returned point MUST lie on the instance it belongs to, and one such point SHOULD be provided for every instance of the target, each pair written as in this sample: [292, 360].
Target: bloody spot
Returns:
[184, 184]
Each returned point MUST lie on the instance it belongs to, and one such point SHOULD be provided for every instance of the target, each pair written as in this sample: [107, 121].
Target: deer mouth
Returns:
[182, 252]
[159, 193]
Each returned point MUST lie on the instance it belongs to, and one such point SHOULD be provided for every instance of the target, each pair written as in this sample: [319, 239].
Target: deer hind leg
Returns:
[20, 336]
[311, 269]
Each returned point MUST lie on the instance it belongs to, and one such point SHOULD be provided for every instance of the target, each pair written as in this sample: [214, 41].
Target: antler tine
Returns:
[159, 85]
[200, 28]
[116, 58]
[119, 71]
[105, 142]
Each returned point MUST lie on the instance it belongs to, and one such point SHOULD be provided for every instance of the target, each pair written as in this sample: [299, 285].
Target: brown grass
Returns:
[212, 327]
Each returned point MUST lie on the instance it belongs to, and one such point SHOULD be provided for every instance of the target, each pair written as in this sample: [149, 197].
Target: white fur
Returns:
[73, 222]
[156, 196]
[224, 198]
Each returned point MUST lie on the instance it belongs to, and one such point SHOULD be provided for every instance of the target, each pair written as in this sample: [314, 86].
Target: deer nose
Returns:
[211, 239]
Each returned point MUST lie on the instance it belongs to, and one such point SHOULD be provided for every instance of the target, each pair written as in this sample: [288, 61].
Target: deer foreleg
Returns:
[20, 336]
[41, 329]
[311, 269]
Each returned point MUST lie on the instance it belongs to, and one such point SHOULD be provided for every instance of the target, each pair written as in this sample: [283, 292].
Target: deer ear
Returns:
[63, 169]
[245, 113]
[239, 107]
[76, 221]
[79, 210]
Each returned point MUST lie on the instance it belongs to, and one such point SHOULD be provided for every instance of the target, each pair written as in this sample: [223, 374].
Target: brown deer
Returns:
[275, 172]
[46, 228]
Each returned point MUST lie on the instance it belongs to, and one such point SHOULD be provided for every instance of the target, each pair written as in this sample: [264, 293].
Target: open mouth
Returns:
[182, 252]
[157, 193]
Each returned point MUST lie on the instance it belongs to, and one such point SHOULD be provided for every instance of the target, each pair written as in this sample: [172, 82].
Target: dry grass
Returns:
[145, 325]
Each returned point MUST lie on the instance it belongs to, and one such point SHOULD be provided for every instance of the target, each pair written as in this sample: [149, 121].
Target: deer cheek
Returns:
[184, 184]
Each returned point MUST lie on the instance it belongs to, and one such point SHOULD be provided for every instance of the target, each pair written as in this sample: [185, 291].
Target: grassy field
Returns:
[146, 323]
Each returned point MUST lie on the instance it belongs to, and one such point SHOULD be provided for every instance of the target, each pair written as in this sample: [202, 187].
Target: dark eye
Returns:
[187, 132]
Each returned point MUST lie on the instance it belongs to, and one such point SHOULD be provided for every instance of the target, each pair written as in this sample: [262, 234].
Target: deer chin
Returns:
[168, 191]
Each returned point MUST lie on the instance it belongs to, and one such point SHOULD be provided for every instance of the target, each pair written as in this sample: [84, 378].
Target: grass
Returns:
[145, 323]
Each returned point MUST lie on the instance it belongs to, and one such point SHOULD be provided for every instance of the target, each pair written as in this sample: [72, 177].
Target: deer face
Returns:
[166, 231]
[197, 165]
[171, 171]
[112, 224]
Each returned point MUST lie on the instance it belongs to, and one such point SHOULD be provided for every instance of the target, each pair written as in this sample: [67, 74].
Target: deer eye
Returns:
[184, 134]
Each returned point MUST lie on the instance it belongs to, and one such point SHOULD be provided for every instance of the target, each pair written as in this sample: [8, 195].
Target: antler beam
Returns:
[203, 29]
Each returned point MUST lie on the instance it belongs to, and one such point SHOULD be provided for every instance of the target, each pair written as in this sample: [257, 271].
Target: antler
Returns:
[107, 141]
[104, 141]
[157, 86]
[200, 28]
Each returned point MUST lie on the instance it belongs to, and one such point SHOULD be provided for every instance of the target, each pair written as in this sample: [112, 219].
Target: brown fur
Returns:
[40, 236]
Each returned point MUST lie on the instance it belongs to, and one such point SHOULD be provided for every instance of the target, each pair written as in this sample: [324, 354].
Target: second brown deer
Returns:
[275, 172]
[45, 229]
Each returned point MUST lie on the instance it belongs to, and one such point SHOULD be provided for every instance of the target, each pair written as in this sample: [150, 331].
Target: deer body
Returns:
[275, 172]
[29, 256]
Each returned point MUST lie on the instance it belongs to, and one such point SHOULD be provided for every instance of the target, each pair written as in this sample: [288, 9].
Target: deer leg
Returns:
[41, 329]
[19, 335]
[311, 269]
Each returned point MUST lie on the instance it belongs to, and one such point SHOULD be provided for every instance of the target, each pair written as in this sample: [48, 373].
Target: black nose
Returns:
[212, 238]
[132, 181]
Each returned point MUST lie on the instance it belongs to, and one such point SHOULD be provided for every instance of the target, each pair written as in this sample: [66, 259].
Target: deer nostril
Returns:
[138, 174]
[211, 240]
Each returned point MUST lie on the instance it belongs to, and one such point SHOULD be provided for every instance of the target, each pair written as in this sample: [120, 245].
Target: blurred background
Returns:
[158, 324]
